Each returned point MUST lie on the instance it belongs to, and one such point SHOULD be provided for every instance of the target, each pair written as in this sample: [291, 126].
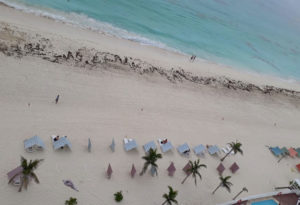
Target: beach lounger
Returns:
[34, 143]
[234, 167]
[61, 142]
[221, 169]
[149, 145]
[228, 147]
[184, 149]
[199, 149]
[171, 169]
[298, 151]
[165, 146]
[17, 172]
[292, 152]
[129, 144]
[284, 152]
[276, 151]
[225, 150]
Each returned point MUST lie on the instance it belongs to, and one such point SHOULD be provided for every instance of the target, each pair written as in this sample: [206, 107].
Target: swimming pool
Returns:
[266, 202]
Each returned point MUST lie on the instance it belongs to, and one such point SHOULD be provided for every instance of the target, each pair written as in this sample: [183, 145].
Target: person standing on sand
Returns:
[192, 58]
[56, 99]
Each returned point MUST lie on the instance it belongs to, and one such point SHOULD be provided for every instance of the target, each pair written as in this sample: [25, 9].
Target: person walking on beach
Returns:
[56, 99]
[193, 58]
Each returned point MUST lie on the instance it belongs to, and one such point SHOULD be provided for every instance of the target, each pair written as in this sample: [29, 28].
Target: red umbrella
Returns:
[171, 169]
[109, 171]
[133, 171]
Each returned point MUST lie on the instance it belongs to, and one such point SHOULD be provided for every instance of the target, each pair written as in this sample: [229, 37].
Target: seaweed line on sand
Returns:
[91, 58]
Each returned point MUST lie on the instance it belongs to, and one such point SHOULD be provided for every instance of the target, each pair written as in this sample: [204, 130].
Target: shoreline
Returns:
[111, 88]
[178, 61]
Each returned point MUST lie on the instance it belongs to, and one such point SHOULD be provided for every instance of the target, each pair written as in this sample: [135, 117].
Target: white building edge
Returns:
[294, 189]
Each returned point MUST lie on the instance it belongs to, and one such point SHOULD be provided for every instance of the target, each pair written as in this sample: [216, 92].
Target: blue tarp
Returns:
[199, 149]
[276, 151]
[183, 148]
[130, 145]
[33, 141]
[149, 145]
[61, 142]
[166, 147]
[213, 149]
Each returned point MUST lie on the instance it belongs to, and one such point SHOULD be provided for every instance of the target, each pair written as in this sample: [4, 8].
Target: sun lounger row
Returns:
[284, 151]
[36, 143]
[166, 146]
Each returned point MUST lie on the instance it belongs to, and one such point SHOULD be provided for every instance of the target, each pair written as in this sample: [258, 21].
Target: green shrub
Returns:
[118, 196]
[71, 201]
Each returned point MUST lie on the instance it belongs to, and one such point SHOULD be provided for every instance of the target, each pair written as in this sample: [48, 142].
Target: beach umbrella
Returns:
[186, 168]
[220, 168]
[109, 171]
[133, 171]
[234, 167]
[112, 145]
[89, 145]
[171, 169]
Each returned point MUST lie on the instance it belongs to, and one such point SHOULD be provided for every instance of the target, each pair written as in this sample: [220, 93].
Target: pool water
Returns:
[266, 202]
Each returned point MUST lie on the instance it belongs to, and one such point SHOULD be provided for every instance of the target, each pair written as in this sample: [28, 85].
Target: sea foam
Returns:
[85, 22]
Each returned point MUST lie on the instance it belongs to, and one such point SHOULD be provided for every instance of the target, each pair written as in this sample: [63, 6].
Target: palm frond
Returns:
[33, 175]
[199, 175]
[170, 197]
[202, 165]
[175, 201]
[23, 162]
[227, 187]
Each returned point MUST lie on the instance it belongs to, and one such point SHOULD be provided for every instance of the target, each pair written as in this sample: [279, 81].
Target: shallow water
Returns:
[260, 36]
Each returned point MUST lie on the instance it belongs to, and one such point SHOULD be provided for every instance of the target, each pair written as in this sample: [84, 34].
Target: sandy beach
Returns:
[104, 97]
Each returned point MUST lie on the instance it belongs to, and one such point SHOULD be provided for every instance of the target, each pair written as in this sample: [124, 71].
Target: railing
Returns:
[270, 194]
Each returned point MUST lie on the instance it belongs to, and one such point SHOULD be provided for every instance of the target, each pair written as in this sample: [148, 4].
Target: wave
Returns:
[85, 22]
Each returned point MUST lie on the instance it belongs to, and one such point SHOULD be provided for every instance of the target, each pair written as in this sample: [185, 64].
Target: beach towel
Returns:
[70, 184]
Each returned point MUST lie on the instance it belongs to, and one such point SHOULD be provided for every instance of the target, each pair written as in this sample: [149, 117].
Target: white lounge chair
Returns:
[229, 148]
[225, 150]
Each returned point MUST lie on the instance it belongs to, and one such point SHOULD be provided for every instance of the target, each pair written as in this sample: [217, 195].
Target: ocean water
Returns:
[262, 36]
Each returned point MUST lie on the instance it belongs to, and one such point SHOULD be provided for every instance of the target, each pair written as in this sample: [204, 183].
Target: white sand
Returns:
[102, 105]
